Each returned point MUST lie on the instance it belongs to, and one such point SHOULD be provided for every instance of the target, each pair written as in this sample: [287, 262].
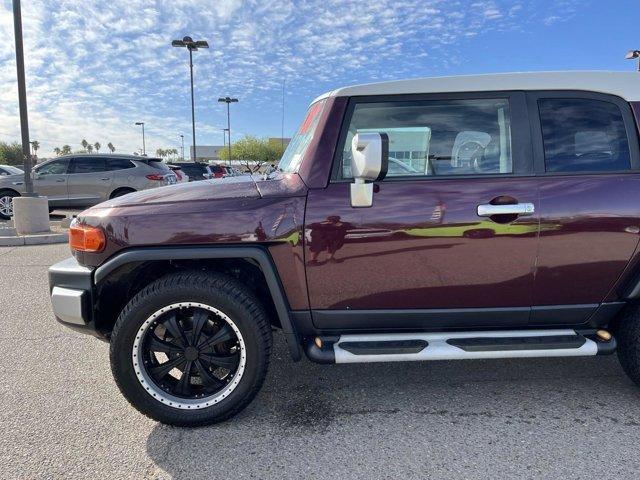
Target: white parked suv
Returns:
[83, 180]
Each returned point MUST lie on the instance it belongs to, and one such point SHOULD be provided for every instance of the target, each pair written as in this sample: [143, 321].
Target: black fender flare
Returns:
[258, 254]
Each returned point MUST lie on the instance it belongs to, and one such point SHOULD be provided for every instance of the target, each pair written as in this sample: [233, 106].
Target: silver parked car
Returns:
[9, 170]
[82, 180]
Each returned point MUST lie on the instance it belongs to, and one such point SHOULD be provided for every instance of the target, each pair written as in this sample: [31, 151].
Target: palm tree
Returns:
[97, 147]
[161, 153]
[57, 151]
[111, 147]
[84, 144]
[66, 149]
[35, 145]
[89, 148]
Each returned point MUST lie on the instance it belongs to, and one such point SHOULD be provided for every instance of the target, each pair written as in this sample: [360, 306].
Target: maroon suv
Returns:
[447, 218]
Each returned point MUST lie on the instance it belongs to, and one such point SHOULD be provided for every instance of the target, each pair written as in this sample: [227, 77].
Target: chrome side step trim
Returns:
[437, 347]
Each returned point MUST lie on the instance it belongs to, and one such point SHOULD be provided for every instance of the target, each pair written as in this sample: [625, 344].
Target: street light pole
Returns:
[182, 139]
[228, 101]
[192, 46]
[144, 147]
[22, 98]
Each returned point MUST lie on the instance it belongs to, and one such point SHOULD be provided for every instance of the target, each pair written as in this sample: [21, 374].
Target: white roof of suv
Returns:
[621, 84]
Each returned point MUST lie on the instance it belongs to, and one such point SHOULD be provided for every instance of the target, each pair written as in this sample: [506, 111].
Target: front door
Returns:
[441, 246]
[50, 180]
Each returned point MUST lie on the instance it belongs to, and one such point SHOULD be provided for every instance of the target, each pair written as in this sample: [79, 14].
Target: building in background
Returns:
[279, 140]
[207, 153]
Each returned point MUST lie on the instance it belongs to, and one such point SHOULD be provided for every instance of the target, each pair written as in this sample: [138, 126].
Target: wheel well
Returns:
[124, 283]
[121, 189]
[11, 190]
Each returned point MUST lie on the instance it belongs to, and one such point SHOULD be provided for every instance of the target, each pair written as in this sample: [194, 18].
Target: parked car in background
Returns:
[195, 170]
[82, 180]
[10, 170]
[217, 171]
[512, 231]
[181, 177]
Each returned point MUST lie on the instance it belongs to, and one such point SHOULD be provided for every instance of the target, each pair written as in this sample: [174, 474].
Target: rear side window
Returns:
[158, 165]
[583, 135]
[88, 165]
[119, 164]
[432, 138]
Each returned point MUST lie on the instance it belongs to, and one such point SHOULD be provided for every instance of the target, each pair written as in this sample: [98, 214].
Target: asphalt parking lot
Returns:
[61, 414]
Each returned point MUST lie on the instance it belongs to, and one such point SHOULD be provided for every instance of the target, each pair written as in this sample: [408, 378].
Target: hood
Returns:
[215, 189]
[243, 187]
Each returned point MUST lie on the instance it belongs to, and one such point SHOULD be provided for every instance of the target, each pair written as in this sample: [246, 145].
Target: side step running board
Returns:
[397, 347]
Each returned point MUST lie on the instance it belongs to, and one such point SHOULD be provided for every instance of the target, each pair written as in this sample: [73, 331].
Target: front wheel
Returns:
[6, 203]
[191, 349]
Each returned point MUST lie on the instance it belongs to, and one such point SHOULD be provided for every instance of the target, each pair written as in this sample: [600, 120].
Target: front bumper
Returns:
[71, 288]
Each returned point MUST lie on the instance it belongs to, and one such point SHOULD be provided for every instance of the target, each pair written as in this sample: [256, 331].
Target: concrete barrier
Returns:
[31, 215]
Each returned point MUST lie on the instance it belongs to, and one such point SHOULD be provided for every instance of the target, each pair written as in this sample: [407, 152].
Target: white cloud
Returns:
[95, 67]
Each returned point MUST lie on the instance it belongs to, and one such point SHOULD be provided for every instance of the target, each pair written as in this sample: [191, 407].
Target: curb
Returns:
[41, 239]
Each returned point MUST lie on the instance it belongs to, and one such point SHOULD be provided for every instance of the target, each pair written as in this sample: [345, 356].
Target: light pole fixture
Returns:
[182, 139]
[22, 99]
[191, 45]
[224, 136]
[228, 101]
[633, 54]
[144, 147]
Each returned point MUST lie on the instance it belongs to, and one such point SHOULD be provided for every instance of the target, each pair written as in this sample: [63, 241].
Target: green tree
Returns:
[253, 152]
[111, 147]
[57, 151]
[89, 148]
[97, 146]
[161, 153]
[84, 143]
[11, 154]
[66, 149]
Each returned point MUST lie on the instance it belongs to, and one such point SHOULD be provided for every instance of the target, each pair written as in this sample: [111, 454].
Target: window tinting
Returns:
[583, 135]
[88, 165]
[56, 167]
[452, 137]
[119, 164]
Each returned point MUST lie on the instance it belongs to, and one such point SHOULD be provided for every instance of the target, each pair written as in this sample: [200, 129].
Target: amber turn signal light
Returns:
[84, 238]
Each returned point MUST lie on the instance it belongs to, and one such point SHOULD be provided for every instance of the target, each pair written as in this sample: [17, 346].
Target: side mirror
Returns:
[370, 162]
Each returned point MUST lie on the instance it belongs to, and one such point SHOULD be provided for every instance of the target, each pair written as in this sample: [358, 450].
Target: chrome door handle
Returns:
[60, 180]
[106, 178]
[488, 210]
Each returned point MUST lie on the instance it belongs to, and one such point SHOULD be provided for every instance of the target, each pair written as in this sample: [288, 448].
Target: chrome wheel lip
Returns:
[6, 205]
[171, 400]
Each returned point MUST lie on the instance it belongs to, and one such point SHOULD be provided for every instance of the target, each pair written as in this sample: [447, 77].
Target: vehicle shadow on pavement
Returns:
[307, 416]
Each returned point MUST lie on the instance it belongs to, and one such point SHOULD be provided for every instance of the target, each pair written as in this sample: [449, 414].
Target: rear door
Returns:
[431, 251]
[586, 156]
[50, 180]
[89, 181]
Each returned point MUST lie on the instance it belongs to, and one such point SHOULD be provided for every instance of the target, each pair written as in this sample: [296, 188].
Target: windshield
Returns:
[293, 155]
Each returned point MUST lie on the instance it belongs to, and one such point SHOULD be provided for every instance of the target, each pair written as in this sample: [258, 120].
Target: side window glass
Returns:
[453, 137]
[583, 135]
[119, 164]
[88, 165]
[57, 167]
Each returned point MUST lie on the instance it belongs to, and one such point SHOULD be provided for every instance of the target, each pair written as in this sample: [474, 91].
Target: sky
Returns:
[94, 68]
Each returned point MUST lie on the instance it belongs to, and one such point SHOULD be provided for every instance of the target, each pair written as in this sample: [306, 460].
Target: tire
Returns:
[627, 334]
[6, 210]
[121, 192]
[229, 306]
